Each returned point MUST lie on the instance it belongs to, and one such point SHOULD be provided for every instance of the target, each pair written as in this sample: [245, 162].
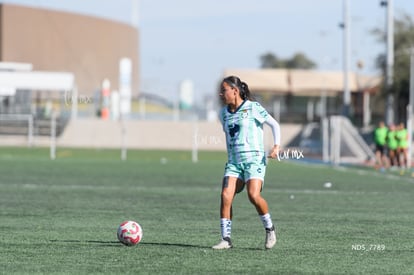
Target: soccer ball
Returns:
[129, 233]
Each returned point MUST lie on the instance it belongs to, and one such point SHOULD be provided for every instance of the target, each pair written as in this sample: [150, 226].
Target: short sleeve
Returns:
[259, 113]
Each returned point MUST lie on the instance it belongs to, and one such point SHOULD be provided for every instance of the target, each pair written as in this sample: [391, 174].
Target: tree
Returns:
[403, 42]
[270, 60]
[298, 61]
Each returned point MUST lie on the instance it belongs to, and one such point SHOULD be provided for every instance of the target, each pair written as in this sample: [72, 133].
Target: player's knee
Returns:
[227, 195]
[254, 198]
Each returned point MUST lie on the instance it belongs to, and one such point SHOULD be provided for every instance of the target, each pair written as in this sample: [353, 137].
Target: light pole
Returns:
[135, 13]
[346, 26]
[389, 74]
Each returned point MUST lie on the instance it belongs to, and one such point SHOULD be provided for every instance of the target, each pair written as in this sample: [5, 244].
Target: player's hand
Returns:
[274, 152]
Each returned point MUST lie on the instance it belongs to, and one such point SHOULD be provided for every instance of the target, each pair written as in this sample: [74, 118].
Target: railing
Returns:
[18, 117]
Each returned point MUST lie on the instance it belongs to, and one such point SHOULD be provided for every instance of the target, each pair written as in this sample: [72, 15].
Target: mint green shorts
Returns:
[246, 171]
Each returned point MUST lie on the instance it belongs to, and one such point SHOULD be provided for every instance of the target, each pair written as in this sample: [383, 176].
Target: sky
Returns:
[198, 39]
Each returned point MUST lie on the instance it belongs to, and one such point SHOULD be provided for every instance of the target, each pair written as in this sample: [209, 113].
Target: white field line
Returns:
[175, 190]
[357, 171]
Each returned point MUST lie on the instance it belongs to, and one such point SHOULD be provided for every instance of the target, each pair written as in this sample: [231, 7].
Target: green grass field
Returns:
[60, 217]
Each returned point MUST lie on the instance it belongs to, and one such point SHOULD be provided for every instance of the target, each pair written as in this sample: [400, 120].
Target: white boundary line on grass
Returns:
[354, 170]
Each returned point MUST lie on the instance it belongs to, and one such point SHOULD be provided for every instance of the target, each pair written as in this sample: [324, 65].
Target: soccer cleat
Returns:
[270, 237]
[225, 243]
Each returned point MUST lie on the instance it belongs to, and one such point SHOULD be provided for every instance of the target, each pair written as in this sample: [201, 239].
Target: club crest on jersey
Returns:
[233, 129]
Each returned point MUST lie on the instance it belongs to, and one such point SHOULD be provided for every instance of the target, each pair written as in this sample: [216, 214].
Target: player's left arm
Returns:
[274, 125]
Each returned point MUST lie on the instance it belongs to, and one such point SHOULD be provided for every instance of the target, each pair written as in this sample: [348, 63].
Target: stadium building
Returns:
[87, 47]
[297, 95]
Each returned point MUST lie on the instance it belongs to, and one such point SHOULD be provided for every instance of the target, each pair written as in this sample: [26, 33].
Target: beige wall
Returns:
[179, 135]
[89, 47]
[143, 134]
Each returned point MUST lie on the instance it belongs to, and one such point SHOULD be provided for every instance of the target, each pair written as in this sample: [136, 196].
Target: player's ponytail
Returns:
[244, 91]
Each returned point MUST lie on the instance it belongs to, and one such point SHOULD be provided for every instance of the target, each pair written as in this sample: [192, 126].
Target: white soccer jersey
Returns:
[244, 131]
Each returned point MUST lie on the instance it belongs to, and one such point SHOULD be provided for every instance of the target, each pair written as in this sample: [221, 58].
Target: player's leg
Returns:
[378, 157]
[392, 156]
[230, 186]
[239, 187]
[385, 158]
[405, 157]
[381, 158]
[228, 191]
[254, 187]
[398, 156]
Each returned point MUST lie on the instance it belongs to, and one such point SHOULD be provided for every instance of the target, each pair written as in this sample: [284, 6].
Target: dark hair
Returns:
[235, 82]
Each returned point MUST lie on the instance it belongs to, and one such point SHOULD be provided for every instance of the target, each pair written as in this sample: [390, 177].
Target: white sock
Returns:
[225, 225]
[266, 220]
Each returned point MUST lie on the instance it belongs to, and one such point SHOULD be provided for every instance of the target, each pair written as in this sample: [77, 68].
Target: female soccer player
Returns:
[402, 149]
[242, 120]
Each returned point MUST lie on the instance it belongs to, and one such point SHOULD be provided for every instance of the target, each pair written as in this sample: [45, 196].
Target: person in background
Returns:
[380, 140]
[392, 145]
[402, 149]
